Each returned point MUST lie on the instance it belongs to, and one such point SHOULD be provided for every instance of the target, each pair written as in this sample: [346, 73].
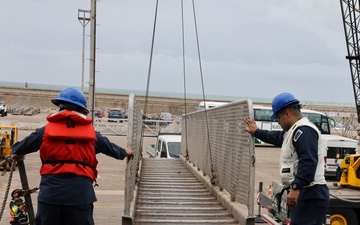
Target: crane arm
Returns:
[350, 15]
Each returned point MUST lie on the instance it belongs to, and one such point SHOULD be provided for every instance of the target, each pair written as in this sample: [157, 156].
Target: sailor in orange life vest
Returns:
[68, 146]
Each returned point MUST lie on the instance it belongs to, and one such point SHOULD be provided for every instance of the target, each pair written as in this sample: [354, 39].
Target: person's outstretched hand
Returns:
[252, 127]
[129, 153]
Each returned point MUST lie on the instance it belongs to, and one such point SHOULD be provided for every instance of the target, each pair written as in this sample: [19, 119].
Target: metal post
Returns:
[25, 186]
[258, 218]
[84, 19]
[92, 59]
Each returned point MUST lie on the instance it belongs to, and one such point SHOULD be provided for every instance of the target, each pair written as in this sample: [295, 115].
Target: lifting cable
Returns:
[184, 76]
[213, 175]
[149, 72]
[150, 65]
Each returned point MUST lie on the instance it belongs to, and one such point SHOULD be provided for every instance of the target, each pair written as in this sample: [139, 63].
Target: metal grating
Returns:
[169, 193]
[230, 147]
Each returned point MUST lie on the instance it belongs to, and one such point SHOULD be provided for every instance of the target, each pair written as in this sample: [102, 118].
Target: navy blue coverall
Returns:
[314, 200]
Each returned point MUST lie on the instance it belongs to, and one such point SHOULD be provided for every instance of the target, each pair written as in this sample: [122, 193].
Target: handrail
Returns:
[233, 151]
[133, 166]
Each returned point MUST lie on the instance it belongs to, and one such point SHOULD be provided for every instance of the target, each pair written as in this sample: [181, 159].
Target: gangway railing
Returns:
[216, 145]
[135, 124]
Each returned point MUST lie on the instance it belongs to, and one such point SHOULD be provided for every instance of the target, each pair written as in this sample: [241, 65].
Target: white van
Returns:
[336, 149]
[168, 145]
[208, 105]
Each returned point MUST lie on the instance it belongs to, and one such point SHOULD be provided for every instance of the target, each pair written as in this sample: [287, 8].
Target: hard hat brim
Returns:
[58, 101]
[274, 117]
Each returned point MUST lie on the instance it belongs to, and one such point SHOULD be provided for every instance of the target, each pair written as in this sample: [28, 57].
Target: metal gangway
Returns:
[211, 183]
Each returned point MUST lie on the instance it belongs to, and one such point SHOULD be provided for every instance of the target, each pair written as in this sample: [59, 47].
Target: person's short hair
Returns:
[70, 106]
[295, 108]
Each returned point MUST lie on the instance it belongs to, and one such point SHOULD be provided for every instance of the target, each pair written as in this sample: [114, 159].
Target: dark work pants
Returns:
[64, 215]
[309, 212]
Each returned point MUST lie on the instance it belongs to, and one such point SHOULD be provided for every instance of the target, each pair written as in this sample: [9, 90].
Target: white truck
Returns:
[337, 147]
[3, 108]
[168, 145]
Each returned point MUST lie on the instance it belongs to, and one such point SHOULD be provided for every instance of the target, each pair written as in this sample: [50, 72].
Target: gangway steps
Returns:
[169, 193]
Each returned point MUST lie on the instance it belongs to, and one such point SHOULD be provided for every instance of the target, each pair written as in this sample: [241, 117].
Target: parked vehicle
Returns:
[166, 116]
[3, 108]
[163, 116]
[337, 147]
[168, 145]
[98, 113]
[115, 114]
[208, 105]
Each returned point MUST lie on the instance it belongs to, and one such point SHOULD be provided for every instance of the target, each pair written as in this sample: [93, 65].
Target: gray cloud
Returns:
[248, 48]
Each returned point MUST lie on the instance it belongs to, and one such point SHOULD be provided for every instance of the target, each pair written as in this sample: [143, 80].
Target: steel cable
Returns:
[8, 159]
[203, 87]
[184, 70]
[149, 72]
[151, 58]
[184, 75]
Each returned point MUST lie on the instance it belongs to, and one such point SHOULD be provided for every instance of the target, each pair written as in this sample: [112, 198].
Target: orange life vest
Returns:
[68, 145]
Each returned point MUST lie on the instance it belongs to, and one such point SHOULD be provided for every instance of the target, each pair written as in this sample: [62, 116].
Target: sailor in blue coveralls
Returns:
[301, 161]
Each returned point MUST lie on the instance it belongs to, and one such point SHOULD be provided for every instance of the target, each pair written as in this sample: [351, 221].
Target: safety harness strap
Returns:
[56, 161]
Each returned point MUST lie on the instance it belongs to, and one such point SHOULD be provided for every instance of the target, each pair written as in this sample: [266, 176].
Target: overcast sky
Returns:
[248, 48]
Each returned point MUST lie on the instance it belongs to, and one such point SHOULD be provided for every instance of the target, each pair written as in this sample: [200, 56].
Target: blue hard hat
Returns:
[281, 101]
[71, 95]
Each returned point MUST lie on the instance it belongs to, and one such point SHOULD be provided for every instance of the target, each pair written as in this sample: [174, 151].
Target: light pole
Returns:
[84, 19]
[92, 58]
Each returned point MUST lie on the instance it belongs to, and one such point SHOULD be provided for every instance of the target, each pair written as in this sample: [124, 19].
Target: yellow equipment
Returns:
[350, 175]
[8, 137]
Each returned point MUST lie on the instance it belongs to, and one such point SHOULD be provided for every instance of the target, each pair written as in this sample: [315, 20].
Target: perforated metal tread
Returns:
[169, 193]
